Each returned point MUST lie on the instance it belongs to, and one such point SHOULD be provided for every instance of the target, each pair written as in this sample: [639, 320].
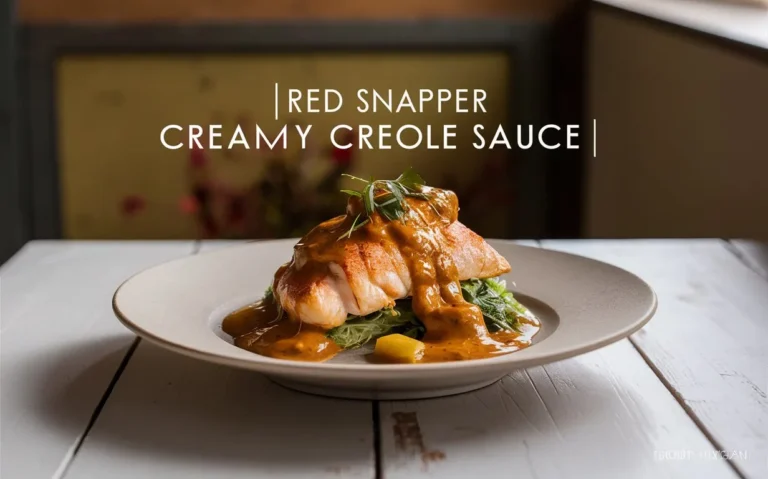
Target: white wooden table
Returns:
[683, 398]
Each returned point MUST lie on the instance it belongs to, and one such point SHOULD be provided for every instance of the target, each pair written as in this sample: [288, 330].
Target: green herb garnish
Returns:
[386, 197]
[269, 296]
[358, 330]
[500, 309]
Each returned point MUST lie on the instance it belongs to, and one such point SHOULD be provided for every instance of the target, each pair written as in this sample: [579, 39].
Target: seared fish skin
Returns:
[329, 279]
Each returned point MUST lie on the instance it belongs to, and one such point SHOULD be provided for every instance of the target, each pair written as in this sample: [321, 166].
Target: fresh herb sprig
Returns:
[386, 197]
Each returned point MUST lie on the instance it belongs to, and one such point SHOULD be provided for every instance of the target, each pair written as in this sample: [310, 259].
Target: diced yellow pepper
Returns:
[396, 348]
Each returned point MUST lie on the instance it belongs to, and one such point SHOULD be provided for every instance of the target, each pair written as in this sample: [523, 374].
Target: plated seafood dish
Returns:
[398, 271]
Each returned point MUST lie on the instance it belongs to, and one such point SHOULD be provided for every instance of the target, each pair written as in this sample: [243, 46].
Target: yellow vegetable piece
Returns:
[396, 348]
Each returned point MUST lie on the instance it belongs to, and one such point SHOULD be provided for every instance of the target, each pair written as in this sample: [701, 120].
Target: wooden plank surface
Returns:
[708, 339]
[61, 344]
[601, 415]
[752, 253]
[170, 416]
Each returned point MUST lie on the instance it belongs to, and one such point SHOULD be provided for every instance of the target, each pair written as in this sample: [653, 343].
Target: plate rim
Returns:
[283, 366]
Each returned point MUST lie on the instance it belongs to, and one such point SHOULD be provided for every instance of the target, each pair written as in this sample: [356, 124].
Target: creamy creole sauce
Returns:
[455, 329]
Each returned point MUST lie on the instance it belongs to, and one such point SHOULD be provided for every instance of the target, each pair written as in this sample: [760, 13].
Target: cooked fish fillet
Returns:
[366, 275]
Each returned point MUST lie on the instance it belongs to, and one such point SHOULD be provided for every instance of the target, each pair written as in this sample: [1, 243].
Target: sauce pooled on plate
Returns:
[454, 328]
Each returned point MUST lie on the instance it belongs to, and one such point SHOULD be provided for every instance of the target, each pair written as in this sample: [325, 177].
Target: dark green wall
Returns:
[11, 222]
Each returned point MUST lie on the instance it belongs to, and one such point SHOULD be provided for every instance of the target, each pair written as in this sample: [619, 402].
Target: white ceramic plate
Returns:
[583, 305]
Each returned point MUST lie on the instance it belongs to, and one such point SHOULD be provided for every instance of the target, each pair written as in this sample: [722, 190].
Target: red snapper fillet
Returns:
[330, 278]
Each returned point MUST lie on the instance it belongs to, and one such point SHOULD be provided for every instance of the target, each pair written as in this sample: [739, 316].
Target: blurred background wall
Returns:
[111, 109]
[683, 133]
[681, 121]
[108, 108]
[143, 11]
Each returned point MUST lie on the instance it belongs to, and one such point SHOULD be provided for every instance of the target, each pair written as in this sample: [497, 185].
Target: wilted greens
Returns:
[358, 330]
[500, 309]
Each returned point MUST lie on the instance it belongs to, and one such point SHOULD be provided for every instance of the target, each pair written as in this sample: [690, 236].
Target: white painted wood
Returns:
[752, 253]
[708, 339]
[730, 19]
[600, 415]
[61, 344]
[171, 417]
